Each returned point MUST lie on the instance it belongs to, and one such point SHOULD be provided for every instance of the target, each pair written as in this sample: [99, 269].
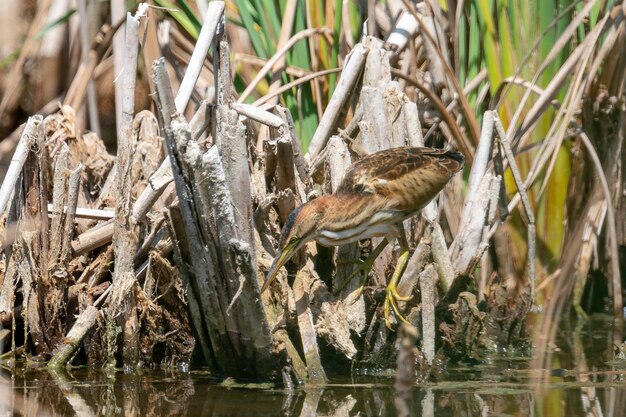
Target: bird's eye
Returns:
[293, 239]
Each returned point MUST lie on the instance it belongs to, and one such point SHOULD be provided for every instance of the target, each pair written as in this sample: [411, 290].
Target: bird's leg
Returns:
[392, 296]
[365, 268]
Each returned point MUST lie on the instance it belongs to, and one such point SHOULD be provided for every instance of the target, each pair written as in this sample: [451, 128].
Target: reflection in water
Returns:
[586, 379]
[90, 393]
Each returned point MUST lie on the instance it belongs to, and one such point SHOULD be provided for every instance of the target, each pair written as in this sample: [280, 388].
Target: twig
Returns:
[258, 114]
[213, 17]
[295, 83]
[85, 213]
[345, 85]
[70, 213]
[530, 216]
[278, 55]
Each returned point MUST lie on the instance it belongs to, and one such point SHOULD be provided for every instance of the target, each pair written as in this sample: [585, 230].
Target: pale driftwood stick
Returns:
[440, 251]
[92, 214]
[159, 179]
[530, 216]
[427, 291]
[163, 176]
[467, 242]
[93, 238]
[85, 322]
[481, 159]
[344, 89]
[70, 213]
[413, 126]
[258, 114]
[214, 16]
[157, 182]
[124, 245]
[33, 130]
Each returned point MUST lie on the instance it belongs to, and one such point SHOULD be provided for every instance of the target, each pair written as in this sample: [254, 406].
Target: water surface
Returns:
[588, 377]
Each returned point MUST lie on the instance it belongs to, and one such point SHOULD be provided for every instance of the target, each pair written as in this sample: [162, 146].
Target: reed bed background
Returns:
[142, 200]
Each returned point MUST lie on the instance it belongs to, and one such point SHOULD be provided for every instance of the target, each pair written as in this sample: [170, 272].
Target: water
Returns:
[588, 377]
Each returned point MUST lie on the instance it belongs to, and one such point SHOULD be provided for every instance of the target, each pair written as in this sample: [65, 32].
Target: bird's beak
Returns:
[288, 251]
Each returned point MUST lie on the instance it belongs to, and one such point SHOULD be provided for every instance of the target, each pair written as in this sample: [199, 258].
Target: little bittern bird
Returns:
[377, 193]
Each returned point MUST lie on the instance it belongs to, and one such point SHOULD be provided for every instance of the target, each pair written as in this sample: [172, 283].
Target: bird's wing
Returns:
[376, 170]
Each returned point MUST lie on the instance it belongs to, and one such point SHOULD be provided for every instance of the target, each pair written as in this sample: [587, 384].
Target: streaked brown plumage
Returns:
[377, 193]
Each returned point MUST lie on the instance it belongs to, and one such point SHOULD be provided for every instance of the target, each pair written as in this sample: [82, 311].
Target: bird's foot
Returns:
[391, 300]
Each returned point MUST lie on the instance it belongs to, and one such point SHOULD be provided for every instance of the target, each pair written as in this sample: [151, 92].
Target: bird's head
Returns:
[300, 228]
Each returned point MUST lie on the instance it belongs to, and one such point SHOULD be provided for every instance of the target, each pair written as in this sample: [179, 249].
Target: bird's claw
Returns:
[391, 299]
